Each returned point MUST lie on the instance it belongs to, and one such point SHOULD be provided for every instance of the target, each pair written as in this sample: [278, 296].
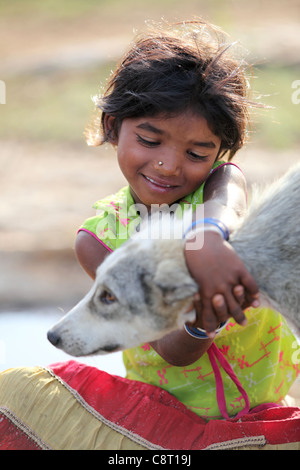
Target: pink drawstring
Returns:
[213, 354]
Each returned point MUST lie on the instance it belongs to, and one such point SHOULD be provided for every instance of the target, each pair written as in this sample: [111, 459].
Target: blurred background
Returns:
[55, 55]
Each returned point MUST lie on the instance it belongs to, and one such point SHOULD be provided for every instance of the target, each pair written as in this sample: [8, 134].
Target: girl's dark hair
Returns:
[187, 66]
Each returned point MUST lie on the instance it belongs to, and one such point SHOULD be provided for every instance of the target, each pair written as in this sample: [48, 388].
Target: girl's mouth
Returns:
[159, 184]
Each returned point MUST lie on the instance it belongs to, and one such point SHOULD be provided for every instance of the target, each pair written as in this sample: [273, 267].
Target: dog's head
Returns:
[140, 294]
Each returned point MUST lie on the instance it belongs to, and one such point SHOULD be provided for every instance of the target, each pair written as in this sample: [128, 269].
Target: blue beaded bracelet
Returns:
[212, 221]
[201, 334]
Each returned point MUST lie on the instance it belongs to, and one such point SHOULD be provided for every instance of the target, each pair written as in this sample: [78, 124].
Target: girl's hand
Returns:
[225, 286]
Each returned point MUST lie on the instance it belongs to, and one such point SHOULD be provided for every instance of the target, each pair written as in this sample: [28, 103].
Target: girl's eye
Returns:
[147, 143]
[196, 156]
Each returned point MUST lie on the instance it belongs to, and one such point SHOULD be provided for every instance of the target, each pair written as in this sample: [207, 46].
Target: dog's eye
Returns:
[107, 297]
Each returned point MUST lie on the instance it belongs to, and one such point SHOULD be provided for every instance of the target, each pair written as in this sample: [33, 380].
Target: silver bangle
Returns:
[199, 333]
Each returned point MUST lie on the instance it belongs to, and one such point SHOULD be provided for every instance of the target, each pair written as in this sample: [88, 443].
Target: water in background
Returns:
[23, 342]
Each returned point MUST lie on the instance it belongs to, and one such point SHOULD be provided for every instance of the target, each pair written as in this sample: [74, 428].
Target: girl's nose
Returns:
[168, 165]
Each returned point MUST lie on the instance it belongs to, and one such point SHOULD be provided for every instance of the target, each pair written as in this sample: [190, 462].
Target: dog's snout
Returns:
[53, 337]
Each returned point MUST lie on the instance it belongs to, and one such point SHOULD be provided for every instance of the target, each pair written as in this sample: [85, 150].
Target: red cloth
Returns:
[160, 418]
[151, 416]
[13, 438]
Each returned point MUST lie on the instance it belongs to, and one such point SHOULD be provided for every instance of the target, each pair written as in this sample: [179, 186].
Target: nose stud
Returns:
[160, 163]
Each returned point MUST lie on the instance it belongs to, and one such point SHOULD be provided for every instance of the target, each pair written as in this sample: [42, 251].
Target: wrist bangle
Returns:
[199, 333]
[212, 221]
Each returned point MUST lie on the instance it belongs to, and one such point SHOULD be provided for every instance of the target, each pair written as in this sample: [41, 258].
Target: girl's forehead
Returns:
[186, 124]
[167, 120]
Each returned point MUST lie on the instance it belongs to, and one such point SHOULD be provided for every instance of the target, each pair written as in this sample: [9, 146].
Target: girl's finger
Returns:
[235, 311]
[220, 307]
[239, 293]
[209, 320]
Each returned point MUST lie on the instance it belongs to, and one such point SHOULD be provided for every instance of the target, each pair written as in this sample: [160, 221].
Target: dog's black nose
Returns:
[53, 337]
[111, 348]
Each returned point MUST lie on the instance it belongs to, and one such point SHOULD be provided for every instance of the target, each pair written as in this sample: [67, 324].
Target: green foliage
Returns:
[277, 127]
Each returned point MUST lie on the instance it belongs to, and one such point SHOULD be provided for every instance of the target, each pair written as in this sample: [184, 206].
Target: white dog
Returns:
[143, 290]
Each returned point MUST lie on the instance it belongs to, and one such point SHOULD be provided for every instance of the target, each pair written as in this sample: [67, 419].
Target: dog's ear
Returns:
[174, 281]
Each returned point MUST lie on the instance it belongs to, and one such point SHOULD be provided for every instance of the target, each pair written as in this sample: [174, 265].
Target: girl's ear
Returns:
[110, 126]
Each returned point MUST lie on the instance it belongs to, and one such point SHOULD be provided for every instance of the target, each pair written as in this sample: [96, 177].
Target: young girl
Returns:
[176, 109]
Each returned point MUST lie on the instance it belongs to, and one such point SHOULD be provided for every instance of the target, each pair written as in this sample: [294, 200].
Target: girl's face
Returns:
[184, 144]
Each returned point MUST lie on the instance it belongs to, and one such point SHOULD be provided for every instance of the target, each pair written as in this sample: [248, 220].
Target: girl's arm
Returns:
[89, 252]
[225, 286]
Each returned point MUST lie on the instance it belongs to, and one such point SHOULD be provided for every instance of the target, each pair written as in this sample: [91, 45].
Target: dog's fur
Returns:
[143, 290]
